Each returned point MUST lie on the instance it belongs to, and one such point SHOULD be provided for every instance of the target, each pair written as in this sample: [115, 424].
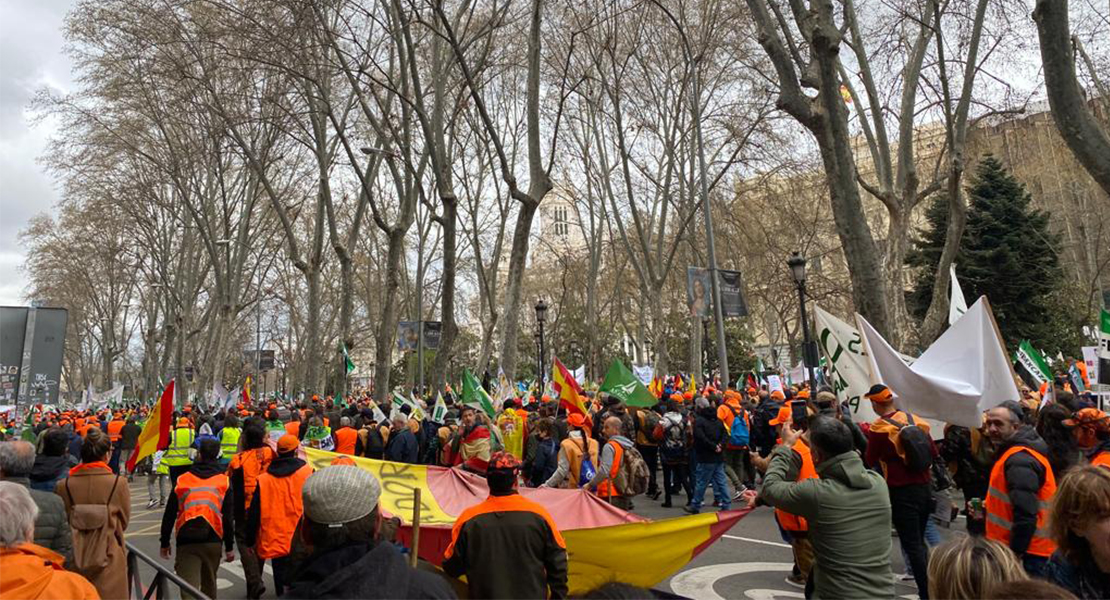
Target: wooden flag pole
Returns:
[414, 552]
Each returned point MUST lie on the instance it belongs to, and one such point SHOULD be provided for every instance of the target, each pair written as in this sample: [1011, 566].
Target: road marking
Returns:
[744, 539]
[698, 583]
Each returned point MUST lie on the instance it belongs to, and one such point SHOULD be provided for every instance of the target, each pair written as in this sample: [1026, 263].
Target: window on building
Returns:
[560, 227]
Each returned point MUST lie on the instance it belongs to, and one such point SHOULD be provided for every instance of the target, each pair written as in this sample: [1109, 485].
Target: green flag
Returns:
[1104, 348]
[347, 358]
[1031, 365]
[474, 396]
[621, 383]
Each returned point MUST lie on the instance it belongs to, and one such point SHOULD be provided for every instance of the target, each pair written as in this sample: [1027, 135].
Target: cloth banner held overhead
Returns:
[1090, 358]
[963, 373]
[604, 543]
[644, 373]
[849, 370]
[957, 305]
[1103, 348]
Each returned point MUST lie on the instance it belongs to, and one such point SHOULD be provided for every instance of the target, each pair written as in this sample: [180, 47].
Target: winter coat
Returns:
[1024, 477]
[851, 545]
[402, 447]
[1082, 578]
[544, 462]
[49, 470]
[94, 486]
[709, 436]
[51, 526]
[365, 571]
[673, 449]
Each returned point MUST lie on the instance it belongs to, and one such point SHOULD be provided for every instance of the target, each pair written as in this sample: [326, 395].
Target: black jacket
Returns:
[365, 571]
[198, 531]
[709, 436]
[1024, 477]
[48, 470]
[402, 447]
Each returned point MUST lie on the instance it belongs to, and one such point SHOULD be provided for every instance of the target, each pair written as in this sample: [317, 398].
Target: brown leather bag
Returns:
[92, 531]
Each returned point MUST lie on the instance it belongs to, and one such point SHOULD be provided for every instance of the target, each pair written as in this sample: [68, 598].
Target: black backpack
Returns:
[917, 446]
[375, 445]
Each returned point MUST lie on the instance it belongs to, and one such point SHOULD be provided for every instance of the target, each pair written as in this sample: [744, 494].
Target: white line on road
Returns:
[744, 539]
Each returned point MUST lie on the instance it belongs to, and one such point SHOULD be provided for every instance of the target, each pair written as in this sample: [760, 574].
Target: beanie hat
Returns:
[340, 494]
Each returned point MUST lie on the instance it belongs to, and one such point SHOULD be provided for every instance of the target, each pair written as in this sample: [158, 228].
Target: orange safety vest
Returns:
[345, 438]
[292, 427]
[608, 487]
[203, 498]
[281, 508]
[1000, 512]
[253, 462]
[789, 521]
[114, 428]
[1102, 459]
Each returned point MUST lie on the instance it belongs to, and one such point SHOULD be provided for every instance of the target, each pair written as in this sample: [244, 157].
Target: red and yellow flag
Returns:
[567, 389]
[156, 432]
[247, 391]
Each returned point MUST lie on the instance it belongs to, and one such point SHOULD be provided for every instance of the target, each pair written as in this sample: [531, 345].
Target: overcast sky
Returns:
[31, 57]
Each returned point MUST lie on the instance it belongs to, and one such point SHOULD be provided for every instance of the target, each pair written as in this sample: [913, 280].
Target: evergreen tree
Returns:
[924, 254]
[1009, 254]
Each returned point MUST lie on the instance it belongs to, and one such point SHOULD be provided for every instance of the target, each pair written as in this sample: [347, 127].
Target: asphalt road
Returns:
[750, 561]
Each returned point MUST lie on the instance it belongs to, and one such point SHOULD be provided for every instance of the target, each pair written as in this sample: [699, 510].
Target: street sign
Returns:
[32, 341]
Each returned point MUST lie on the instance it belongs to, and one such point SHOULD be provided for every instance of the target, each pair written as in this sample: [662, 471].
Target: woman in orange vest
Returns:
[1020, 489]
[200, 513]
[276, 509]
[244, 470]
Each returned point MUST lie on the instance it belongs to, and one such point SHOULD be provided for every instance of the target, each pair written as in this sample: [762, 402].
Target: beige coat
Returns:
[93, 487]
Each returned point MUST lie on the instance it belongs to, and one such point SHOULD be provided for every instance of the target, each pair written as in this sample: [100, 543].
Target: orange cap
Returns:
[183, 422]
[343, 460]
[288, 443]
[782, 416]
[777, 394]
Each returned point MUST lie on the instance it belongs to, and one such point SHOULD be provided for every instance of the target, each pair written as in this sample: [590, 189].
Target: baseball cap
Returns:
[1089, 417]
[503, 461]
[183, 422]
[340, 494]
[778, 395]
[782, 416]
[287, 443]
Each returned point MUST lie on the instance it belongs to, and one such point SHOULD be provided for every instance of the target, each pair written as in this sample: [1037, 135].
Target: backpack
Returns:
[738, 436]
[633, 475]
[916, 444]
[673, 445]
[92, 532]
[649, 424]
[374, 445]
[586, 470]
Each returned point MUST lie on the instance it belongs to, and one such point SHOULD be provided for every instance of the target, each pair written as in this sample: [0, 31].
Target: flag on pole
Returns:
[156, 433]
[759, 367]
[568, 389]
[1076, 379]
[621, 383]
[1031, 365]
[1104, 348]
[247, 391]
[656, 386]
[439, 413]
[350, 365]
[474, 395]
[957, 304]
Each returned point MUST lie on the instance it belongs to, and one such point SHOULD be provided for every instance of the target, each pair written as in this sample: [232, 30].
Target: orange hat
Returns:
[879, 393]
[183, 422]
[688, 395]
[343, 460]
[1091, 418]
[782, 416]
[778, 395]
[676, 397]
[288, 443]
[576, 420]
[244, 413]
[546, 398]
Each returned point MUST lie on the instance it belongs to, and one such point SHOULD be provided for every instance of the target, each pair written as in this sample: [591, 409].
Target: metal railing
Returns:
[162, 578]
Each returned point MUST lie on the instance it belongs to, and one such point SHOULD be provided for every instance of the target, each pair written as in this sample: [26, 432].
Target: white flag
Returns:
[957, 305]
[643, 373]
[579, 375]
[439, 413]
[965, 372]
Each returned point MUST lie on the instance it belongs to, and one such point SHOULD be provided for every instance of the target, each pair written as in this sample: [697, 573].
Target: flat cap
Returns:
[340, 494]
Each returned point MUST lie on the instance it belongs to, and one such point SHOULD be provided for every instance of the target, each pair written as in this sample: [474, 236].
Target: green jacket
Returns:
[848, 509]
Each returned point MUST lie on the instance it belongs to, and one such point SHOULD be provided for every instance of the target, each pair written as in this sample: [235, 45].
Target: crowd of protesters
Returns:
[234, 484]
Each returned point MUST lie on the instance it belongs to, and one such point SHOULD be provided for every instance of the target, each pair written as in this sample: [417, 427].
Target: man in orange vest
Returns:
[1020, 489]
[1091, 431]
[345, 437]
[200, 512]
[244, 470]
[610, 463]
[507, 546]
[276, 509]
[739, 439]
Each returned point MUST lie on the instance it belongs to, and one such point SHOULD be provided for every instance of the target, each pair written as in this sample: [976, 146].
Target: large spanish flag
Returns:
[156, 432]
[568, 389]
[604, 543]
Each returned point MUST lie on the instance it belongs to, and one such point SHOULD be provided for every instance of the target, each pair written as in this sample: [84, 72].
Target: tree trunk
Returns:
[447, 312]
[510, 313]
[659, 334]
[387, 327]
[1079, 128]
[897, 244]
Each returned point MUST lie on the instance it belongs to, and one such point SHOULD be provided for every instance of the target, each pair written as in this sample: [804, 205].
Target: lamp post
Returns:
[541, 316]
[797, 264]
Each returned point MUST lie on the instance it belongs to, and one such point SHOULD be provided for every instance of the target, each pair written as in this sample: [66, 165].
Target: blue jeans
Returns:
[714, 473]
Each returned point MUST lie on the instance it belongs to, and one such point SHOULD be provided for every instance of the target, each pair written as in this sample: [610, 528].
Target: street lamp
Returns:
[797, 264]
[541, 316]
